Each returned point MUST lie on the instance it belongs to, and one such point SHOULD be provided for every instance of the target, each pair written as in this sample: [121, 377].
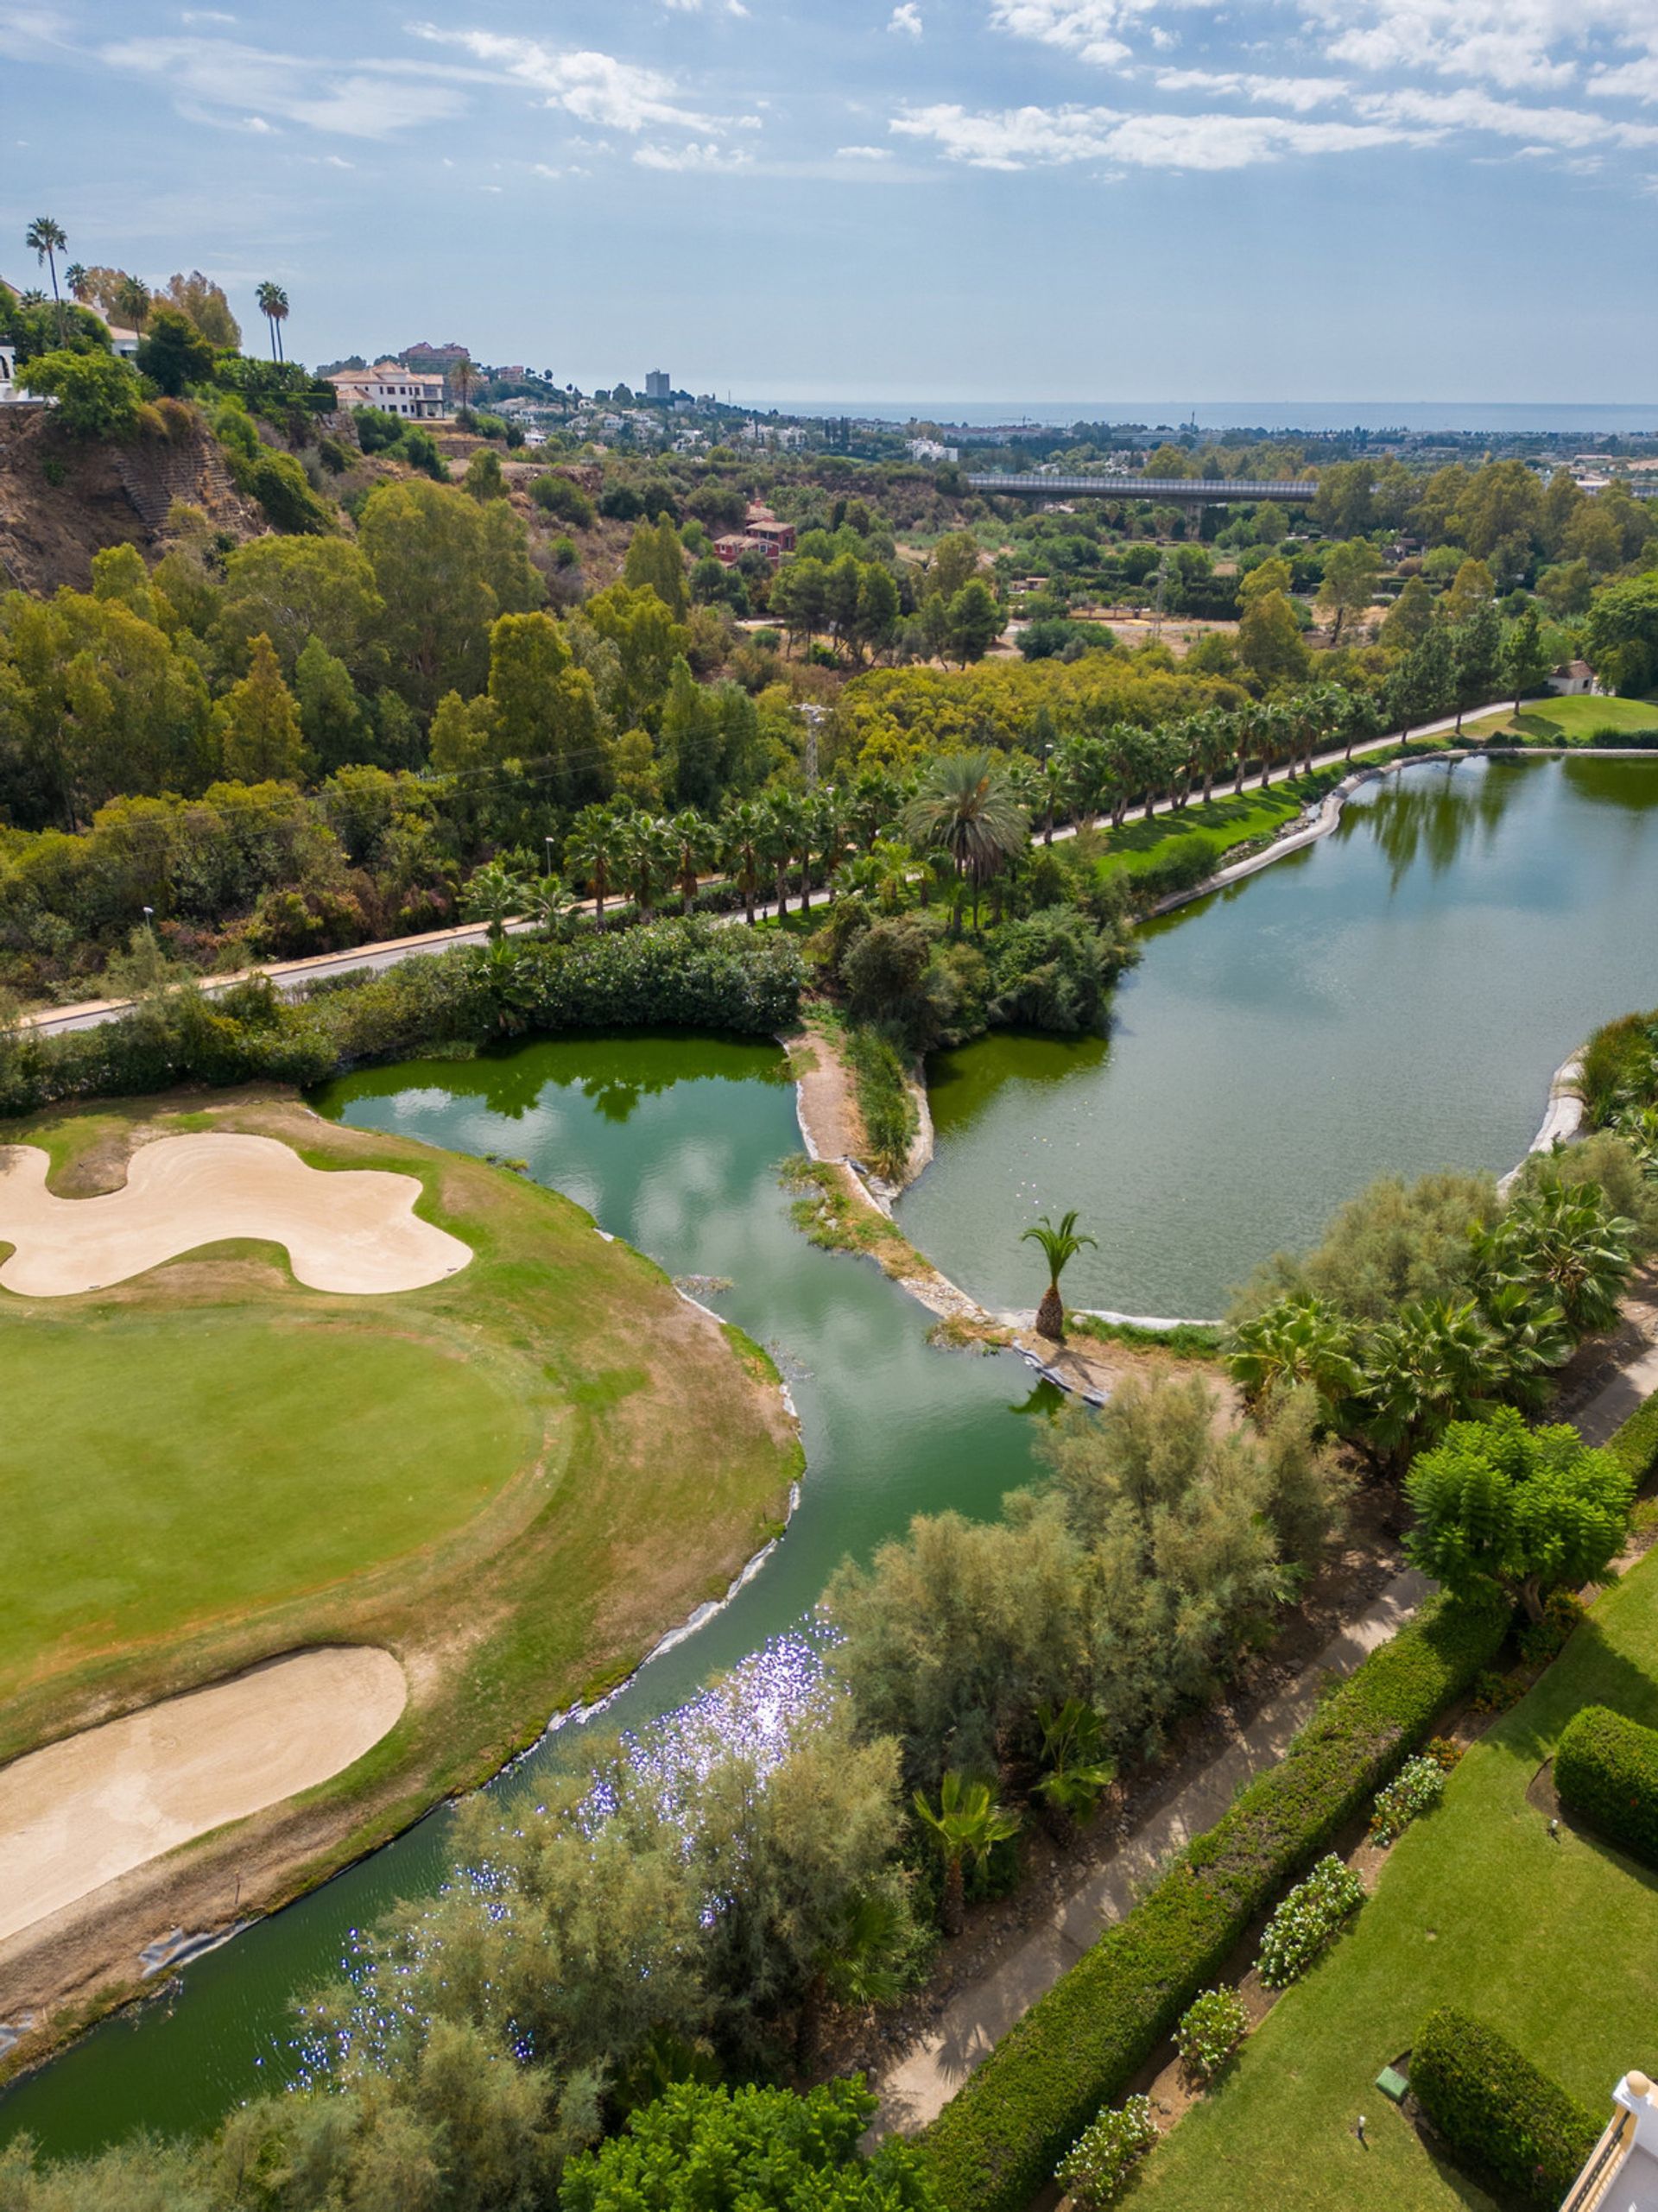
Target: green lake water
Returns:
[1393, 999]
[1396, 997]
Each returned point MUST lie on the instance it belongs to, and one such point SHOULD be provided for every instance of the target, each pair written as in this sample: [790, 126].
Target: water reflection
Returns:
[1433, 813]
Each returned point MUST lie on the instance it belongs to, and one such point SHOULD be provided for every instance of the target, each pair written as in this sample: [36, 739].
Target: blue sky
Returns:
[1089, 199]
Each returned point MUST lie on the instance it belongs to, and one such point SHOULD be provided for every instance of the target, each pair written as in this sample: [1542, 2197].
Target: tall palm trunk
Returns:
[781, 874]
[1050, 1315]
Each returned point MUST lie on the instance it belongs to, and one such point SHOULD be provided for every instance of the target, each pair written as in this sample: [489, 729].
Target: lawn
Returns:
[514, 1479]
[1565, 721]
[1222, 826]
[1554, 1940]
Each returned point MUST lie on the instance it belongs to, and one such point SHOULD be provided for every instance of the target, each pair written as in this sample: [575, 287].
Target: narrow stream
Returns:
[1395, 998]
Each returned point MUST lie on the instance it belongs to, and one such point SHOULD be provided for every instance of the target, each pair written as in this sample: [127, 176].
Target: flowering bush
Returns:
[1445, 1754]
[1211, 2029]
[1495, 1693]
[1097, 2167]
[1307, 1919]
[1416, 1788]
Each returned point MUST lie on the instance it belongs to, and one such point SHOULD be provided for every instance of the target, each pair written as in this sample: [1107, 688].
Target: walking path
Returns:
[291, 975]
[915, 2090]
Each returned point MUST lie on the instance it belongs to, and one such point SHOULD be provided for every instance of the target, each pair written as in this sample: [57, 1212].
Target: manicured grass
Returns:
[514, 1479]
[1553, 1940]
[1565, 721]
[158, 1475]
[1223, 824]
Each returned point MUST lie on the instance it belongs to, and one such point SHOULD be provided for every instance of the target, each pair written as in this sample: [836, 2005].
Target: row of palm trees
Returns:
[956, 822]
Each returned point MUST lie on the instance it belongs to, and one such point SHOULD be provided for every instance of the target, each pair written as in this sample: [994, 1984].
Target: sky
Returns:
[834, 200]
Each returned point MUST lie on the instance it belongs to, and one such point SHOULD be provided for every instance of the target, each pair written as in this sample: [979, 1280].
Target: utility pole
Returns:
[1157, 604]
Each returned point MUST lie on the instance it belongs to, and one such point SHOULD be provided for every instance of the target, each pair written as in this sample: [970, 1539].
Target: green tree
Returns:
[204, 302]
[1432, 1364]
[98, 394]
[1567, 1240]
[966, 1825]
[1411, 615]
[1299, 1339]
[296, 588]
[258, 724]
[45, 240]
[1477, 657]
[484, 479]
[1060, 1247]
[496, 894]
[743, 829]
[1080, 1770]
[963, 804]
[697, 848]
[331, 715]
[1349, 582]
[445, 569]
[1620, 635]
[596, 852]
[1504, 1508]
[972, 623]
[700, 2146]
[954, 563]
[173, 353]
[655, 559]
[1525, 661]
[1270, 640]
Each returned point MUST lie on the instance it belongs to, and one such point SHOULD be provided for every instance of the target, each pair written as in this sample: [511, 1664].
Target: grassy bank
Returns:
[1567, 721]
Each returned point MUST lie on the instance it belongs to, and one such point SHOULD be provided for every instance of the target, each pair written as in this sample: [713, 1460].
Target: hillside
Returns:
[63, 500]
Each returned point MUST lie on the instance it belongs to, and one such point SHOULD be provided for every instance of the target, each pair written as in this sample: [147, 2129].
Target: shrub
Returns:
[1307, 1919]
[98, 394]
[1211, 2029]
[1545, 1638]
[1096, 2169]
[884, 1104]
[1416, 1788]
[1606, 1769]
[994, 2146]
[1493, 2108]
[562, 497]
[1494, 1692]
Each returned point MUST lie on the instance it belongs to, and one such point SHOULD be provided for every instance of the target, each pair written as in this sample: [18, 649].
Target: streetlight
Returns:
[547, 841]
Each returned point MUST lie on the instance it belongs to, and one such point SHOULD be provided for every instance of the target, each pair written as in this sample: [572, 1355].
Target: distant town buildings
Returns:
[8, 375]
[789, 436]
[393, 388]
[928, 449]
[762, 532]
[659, 385]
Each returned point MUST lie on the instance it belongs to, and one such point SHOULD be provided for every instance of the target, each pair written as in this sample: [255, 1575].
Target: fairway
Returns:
[1573, 721]
[506, 1480]
[1551, 1939]
[160, 1473]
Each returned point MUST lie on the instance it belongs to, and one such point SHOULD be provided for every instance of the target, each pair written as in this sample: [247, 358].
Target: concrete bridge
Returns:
[1196, 491]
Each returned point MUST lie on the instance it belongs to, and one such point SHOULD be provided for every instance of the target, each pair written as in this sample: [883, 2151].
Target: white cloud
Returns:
[1021, 138]
[1514, 45]
[1554, 129]
[596, 88]
[709, 154]
[357, 99]
[1630, 80]
[863, 154]
[204, 15]
[1300, 93]
[906, 19]
[1087, 28]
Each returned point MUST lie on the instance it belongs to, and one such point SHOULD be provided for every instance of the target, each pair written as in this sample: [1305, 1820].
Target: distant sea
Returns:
[1467, 416]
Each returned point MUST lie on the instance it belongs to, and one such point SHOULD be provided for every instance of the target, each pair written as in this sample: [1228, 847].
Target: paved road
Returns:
[292, 976]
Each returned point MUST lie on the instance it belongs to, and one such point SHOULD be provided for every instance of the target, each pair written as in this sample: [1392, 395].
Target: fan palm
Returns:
[132, 302]
[1433, 1363]
[1060, 1247]
[963, 807]
[1564, 1238]
[1080, 1769]
[495, 895]
[743, 834]
[1214, 742]
[781, 841]
[45, 240]
[968, 1824]
[1084, 775]
[650, 854]
[273, 305]
[595, 850]
[547, 902]
[696, 848]
[77, 283]
[1298, 1339]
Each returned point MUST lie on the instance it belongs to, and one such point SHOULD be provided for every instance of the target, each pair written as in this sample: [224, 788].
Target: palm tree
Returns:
[651, 852]
[826, 825]
[462, 376]
[1532, 1341]
[45, 240]
[1080, 1768]
[547, 901]
[1085, 773]
[1213, 743]
[696, 843]
[495, 896]
[857, 1963]
[743, 829]
[1432, 1364]
[780, 841]
[1299, 1338]
[963, 805]
[132, 301]
[273, 305]
[968, 1824]
[872, 804]
[594, 850]
[77, 283]
[1060, 1247]
[1567, 1241]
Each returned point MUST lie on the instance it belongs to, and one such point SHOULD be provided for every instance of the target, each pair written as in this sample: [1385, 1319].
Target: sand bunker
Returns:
[81, 1812]
[349, 1229]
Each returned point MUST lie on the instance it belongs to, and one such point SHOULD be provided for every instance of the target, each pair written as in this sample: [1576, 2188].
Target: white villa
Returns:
[393, 388]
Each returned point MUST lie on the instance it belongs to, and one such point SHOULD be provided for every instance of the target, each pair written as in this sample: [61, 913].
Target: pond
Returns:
[1395, 998]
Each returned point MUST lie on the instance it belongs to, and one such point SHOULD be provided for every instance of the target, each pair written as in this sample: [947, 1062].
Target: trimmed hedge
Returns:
[1512, 2124]
[1634, 1445]
[1606, 1769]
[1078, 2047]
[688, 975]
